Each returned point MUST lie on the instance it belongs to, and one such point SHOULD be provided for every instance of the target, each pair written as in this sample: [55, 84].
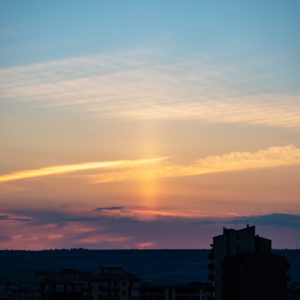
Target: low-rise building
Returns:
[192, 291]
[110, 284]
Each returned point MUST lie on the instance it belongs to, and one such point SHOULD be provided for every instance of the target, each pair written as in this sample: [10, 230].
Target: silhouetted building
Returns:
[19, 291]
[110, 284]
[192, 291]
[294, 291]
[65, 284]
[238, 258]
[252, 275]
[115, 283]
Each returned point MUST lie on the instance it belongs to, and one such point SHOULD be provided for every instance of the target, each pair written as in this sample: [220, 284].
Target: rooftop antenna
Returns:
[247, 223]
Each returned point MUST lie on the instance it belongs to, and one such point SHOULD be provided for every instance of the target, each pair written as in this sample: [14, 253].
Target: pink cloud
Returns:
[146, 245]
[124, 228]
[104, 238]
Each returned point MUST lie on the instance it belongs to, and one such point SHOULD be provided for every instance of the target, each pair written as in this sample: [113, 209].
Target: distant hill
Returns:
[159, 266]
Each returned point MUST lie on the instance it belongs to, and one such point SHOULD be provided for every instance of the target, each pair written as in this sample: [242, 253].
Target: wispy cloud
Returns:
[230, 162]
[61, 169]
[279, 220]
[146, 214]
[133, 87]
[13, 218]
[109, 208]
[155, 168]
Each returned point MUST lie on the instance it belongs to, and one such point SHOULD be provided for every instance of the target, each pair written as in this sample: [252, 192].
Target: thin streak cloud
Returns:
[147, 169]
[62, 169]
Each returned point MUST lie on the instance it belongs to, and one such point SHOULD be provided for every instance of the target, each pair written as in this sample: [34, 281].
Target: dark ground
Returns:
[159, 266]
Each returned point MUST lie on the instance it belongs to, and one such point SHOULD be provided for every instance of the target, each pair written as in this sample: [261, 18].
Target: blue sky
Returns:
[233, 30]
[260, 38]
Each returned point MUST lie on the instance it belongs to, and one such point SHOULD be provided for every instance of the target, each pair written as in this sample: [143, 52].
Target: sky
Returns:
[148, 124]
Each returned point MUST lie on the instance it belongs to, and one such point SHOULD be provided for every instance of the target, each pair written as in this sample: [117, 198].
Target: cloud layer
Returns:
[133, 87]
[127, 227]
[155, 168]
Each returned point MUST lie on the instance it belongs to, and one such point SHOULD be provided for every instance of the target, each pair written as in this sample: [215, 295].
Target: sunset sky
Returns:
[148, 124]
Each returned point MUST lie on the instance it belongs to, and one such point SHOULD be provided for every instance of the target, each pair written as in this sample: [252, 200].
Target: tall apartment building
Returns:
[237, 259]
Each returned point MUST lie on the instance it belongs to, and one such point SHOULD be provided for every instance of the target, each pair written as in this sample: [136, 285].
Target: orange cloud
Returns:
[147, 169]
[145, 214]
[56, 170]
[229, 162]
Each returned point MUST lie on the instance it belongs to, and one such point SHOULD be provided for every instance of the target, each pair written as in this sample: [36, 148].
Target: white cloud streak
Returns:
[123, 87]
